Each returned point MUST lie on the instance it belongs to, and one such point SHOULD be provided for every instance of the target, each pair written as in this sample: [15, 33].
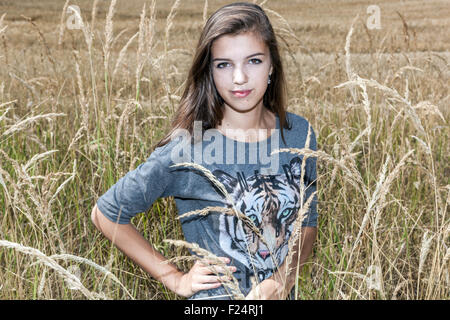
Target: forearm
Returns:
[128, 239]
[286, 275]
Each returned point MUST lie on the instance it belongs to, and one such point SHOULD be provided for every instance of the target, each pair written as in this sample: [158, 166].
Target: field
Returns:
[80, 107]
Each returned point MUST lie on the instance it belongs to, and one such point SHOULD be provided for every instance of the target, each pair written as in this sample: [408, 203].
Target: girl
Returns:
[236, 94]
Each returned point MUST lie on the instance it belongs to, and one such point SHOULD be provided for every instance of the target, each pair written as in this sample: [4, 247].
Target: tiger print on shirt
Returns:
[272, 203]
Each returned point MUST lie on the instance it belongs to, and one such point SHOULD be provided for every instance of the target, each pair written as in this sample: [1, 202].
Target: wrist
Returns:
[181, 285]
[174, 282]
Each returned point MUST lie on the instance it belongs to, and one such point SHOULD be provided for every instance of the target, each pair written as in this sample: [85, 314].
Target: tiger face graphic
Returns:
[272, 203]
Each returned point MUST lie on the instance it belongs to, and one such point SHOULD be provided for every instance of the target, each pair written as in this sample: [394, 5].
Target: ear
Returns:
[271, 70]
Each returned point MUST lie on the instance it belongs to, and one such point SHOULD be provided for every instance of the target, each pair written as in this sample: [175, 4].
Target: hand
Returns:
[268, 289]
[202, 277]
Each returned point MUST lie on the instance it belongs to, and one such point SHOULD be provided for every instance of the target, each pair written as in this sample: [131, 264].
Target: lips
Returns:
[241, 93]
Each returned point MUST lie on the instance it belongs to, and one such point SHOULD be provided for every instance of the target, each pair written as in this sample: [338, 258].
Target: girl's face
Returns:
[241, 63]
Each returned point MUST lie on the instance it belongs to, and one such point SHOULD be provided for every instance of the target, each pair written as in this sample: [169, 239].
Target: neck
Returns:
[260, 119]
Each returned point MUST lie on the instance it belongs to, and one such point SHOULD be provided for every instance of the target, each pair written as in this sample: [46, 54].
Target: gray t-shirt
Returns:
[264, 187]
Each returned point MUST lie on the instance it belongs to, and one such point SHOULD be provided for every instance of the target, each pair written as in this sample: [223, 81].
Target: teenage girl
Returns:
[237, 92]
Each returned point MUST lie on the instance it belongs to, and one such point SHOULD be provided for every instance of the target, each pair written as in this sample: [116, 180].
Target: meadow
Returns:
[81, 106]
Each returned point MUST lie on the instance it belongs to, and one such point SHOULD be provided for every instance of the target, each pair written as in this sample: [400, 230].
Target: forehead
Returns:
[237, 46]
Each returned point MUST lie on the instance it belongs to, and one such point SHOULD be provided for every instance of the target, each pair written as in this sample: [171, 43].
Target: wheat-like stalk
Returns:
[3, 116]
[348, 67]
[37, 157]
[82, 98]
[140, 51]
[61, 186]
[95, 266]
[3, 184]
[169, 23]
[5, 47]
[49, 262]
[41, 201]
[109, 35]
[351, 174]
[24, 123]
[429, 108]
[109, 31]
[16, 201]
[2, 28]
[366, 105]
[296, 233]
[123, 119]
[62, 23]
[93, 15]
[205, 12]
[88, 37]
[393, 93]
[30, 87]
[296, 239]
[8, 102]
[378, 196]
[205, 211]
[121, 56]
[424, 249]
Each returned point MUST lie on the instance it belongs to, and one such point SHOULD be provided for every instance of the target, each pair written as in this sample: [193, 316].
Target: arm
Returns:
[279, 285]
[128, 239]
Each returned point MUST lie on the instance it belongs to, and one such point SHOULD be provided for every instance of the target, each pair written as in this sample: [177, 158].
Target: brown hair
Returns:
[200, 100]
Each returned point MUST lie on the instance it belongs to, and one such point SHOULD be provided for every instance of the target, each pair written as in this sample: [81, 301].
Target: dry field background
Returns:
[81, 107]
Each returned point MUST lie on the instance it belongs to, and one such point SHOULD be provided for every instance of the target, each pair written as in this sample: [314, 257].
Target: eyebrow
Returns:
[252, 55]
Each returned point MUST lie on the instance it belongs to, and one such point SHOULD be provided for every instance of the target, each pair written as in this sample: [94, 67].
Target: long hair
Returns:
[201, 100]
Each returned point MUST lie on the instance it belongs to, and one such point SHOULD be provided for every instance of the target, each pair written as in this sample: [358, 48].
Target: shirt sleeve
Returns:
[311, 184]
[137, 190]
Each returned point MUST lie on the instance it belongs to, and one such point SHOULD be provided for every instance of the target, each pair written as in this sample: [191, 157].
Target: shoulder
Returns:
[176, 150]
[161, 154]
[300, 127]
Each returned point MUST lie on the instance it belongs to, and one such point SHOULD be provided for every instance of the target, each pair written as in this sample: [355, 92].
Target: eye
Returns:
[221, 64]
[254, 219]
[256, 61]
[286, 213]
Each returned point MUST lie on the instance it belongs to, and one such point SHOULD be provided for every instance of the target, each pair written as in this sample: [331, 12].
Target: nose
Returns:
[239, 76]
[264, 253]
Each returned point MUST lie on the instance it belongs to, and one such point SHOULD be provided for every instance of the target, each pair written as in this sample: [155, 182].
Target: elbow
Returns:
[94, 217]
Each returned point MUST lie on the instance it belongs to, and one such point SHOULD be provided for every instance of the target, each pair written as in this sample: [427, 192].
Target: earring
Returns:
[268, 81]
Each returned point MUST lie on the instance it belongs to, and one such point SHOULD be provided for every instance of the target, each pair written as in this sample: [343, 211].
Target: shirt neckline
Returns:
[267, 140]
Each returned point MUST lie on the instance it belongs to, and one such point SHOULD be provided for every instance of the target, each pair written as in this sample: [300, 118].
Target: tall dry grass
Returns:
[83, 106]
